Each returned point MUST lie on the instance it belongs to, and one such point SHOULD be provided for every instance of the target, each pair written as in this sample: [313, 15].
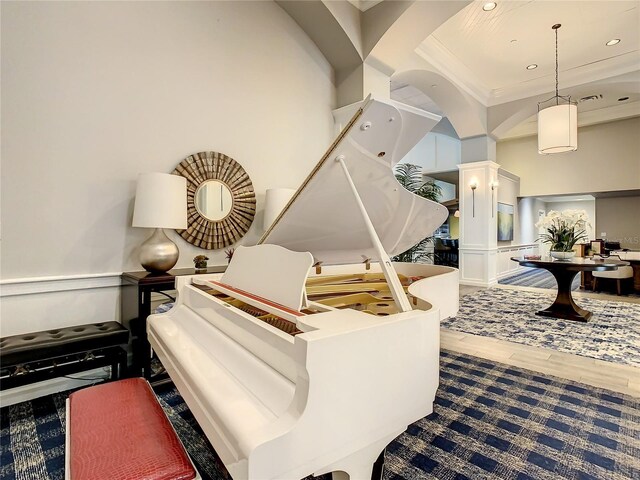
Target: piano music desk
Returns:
[135, 307]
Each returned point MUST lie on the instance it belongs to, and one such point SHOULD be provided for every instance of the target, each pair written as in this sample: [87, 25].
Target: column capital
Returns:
[483, 164]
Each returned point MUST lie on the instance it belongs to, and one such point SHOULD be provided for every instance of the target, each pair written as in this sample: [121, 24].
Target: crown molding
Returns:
[481, 164]
[434, 52]
[584, 74]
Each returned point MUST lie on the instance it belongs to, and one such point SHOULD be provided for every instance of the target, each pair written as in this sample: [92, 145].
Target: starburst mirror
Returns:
[221, 203]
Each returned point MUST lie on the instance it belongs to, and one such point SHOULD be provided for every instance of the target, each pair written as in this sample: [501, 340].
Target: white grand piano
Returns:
[313, 351]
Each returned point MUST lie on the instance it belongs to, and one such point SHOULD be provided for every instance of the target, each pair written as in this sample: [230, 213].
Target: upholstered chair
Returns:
[620, 274]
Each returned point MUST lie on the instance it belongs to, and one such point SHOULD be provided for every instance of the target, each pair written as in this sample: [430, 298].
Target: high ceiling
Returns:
[455, 58]
[485, 53]
[497, 46]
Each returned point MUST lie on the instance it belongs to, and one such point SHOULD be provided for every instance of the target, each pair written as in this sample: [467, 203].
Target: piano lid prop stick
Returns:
[385, 262]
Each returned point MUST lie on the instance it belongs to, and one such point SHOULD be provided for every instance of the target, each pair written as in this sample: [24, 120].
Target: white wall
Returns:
[435, 153]
[447, 190]
[607, 159]
[528, 209]
[94, 93]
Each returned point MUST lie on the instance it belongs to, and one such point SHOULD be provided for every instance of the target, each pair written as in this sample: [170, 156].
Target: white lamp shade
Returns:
[161, 201]
[558, 129]
[275, 201]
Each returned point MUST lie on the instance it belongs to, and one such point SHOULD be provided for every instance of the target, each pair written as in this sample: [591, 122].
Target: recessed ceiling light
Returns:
[622, 99]
[532, 66]
[614, 41]
[487, 7]
[434, 86]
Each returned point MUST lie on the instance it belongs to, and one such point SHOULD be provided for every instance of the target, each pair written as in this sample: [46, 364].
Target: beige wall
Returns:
[94, 93]
[529, 209]
[607, 159]
[619, 218]
[454, 226]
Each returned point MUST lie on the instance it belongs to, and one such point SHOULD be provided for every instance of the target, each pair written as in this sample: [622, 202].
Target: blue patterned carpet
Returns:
[490, 421]
[612, 333]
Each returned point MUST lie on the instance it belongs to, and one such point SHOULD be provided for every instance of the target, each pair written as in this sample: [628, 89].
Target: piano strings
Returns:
[367, 292]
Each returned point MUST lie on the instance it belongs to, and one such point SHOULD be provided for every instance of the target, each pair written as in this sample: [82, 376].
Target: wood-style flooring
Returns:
[599, 373]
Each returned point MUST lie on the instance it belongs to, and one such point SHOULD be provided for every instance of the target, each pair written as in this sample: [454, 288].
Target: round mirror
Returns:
[213, 200]
[221, 203]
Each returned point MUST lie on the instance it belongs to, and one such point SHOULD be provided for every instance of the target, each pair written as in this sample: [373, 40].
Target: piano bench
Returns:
[119, 431]
[37, 356]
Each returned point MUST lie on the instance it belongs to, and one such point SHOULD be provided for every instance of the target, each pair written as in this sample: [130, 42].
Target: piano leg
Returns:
[361, 465]
[376, 471]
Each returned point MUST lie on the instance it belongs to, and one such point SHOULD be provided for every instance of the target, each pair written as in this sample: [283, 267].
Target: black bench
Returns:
[33, 357]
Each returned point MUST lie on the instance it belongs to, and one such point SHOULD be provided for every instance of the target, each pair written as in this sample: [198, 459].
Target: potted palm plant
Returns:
[410, 177]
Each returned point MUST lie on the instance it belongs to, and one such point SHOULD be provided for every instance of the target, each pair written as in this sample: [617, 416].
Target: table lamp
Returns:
[274, 202]
[161, 202]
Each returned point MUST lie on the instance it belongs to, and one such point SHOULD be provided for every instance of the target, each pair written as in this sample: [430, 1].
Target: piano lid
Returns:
[323, 216]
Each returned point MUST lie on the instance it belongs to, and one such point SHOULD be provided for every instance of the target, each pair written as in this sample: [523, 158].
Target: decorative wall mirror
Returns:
[221, 203]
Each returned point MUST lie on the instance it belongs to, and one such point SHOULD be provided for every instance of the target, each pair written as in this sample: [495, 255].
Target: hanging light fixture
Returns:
[557, 124]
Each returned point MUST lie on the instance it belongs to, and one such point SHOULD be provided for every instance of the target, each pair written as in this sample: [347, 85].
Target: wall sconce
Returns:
[473, 185]
[494, 185]
[457, 214]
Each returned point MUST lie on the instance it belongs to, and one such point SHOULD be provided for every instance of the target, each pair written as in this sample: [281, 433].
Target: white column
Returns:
[478, 245]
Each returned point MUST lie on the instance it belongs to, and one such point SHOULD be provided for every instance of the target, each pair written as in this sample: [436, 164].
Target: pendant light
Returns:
[557, 124]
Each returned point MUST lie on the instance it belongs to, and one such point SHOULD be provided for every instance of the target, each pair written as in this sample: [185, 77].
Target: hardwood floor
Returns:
[599, 373]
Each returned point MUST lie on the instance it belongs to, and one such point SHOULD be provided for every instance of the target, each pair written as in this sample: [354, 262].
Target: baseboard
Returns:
[55, 385]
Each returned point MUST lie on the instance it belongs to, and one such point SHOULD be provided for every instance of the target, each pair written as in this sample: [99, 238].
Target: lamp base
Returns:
[158, 254]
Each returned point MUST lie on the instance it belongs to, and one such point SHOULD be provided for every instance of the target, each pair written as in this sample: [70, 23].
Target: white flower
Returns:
[564, 229]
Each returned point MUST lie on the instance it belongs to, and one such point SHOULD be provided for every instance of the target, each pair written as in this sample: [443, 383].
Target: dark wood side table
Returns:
[564, 270]
[135, 307]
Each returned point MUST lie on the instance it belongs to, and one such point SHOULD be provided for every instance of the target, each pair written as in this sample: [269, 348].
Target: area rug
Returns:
[490, 421]
[612, 333]
[540, 278]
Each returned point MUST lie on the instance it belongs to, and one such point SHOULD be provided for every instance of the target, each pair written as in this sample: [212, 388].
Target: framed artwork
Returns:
[597, 246]
[505, 222]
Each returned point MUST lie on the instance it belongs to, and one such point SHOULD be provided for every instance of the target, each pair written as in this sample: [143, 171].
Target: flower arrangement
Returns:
[564, 229]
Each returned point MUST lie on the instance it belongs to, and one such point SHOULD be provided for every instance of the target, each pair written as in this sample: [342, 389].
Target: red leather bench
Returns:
[118, 431]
